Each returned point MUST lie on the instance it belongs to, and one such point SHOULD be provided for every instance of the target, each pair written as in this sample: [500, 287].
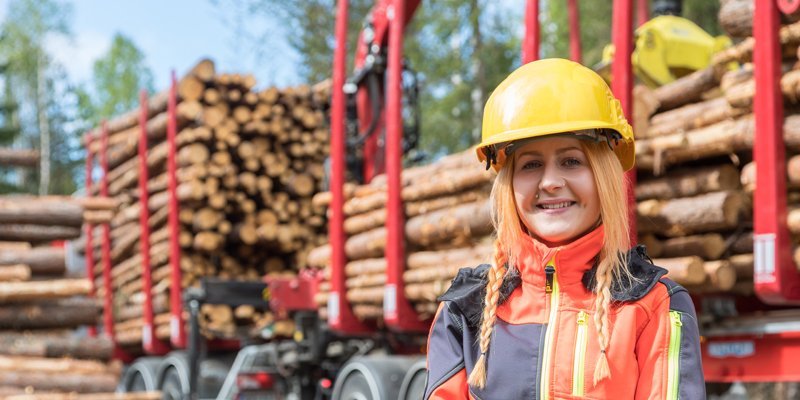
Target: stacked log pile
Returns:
[696, 176]
[248, 161]
[41, 307]
[447, 227]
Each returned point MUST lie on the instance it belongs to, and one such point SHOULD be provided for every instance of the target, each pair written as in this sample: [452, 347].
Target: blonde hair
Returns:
[612, 263]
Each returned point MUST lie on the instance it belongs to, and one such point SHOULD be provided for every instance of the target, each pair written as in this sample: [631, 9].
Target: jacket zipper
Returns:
[580, 354]
[551, 287]
[673, 374]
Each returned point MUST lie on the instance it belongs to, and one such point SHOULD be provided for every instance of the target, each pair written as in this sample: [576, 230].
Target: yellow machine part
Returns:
[666, 48]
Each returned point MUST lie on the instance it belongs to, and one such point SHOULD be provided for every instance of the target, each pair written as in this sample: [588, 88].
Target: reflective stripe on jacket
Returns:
[544, 344]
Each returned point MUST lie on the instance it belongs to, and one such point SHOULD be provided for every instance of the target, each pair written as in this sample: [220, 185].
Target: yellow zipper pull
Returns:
[582, 317]
[549, 273]
[676, 319]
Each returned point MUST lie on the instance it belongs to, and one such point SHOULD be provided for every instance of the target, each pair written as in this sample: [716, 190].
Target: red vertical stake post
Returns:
[397, 311]
[177, 327]
[150, 343]
[90, 227]
[622, 85]
[775, 276]
[574, 30]
[340, 315]
[530, 42]
[642, 12]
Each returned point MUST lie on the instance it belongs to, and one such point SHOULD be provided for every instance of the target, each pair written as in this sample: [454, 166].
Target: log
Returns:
[721, 276]
[748, 174]
[652, 244]
[788, 36]
[743, 264]
[91, 396]
[53, 289]
[53, 365]
[708, 247]
[687, 89]
[691, 116]
[37, 233]
[66, 382]
[32, 211]
[15, 273]
[741, 96]
[705, 213]
[736, 17]
[41, 260]
[59, 314]
[19, 157]
[16, 246]
[689, 182]
[683, 270]
[38, 345]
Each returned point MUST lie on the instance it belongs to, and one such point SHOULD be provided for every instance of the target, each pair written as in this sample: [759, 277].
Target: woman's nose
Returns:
[552, 180]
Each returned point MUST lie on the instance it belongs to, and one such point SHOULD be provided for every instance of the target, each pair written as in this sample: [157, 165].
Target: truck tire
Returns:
[173, 376]
[140, 376]
[413, 386]
[371, 378]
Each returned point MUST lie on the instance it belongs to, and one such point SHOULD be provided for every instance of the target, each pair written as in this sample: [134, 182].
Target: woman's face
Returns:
[555, 190]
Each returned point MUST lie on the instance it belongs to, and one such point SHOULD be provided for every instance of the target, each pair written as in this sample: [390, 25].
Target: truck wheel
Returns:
[173, 376]
[371, 378]
[141, 376]
[413, 386]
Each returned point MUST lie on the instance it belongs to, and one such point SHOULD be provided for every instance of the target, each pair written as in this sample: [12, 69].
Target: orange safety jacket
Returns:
[544, 344]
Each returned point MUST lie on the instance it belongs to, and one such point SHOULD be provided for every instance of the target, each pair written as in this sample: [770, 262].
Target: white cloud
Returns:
[77, 55]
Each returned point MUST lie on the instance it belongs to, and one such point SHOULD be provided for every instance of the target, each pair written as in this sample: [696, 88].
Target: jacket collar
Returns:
[571, 260]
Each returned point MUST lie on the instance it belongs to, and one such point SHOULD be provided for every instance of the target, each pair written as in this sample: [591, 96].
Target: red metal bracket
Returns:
[108, 304]
[398, 313]
[340, 314]
[530, 42]
[89, 230]
[622, 86]
[776, 278]
[574, 30]
[150, 343]
[177, 326]
[788, 6]
[287, 295]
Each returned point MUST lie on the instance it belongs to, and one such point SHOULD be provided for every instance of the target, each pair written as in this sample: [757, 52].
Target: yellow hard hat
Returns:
[553, 96]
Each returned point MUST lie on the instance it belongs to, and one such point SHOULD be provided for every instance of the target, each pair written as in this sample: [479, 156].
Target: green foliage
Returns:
[117, 78]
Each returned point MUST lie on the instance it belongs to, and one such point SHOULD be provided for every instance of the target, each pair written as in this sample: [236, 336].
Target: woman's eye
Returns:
[572, 162]
[531, 164]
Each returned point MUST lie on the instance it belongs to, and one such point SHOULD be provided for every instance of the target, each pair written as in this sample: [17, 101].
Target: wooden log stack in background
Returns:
[41, 307]
[249, 162]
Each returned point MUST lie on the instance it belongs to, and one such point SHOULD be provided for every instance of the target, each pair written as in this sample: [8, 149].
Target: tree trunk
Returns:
[683, 270]
[708, 247]
[66, 382]
[687, 89]
[705, 213]
[39, 345]
[37, 233]
[689, 182]
[44, 126]
[15, 273]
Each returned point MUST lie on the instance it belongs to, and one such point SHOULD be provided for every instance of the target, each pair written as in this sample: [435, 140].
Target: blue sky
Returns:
[173, 34]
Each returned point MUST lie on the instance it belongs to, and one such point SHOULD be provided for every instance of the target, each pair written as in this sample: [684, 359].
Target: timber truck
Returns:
[342, 358]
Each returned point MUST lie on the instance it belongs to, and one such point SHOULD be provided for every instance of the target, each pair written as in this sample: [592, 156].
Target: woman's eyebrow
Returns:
[559, 151]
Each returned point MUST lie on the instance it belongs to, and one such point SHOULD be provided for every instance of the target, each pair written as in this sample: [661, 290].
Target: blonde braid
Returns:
[495, 274]
[602, 304]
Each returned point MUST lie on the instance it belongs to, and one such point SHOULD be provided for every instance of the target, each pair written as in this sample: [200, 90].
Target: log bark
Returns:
[15, 273]
[37, 233]
[788, 35]
[691, 116]
[689, 182]
[705, 213]
[67, 382]
[60, 314]
[41, 260]
[42, 212]
[52, 289]
[18, 157]
[708, 247]
[736, 17]
[687, 89]
[39, 345]
[90, 396]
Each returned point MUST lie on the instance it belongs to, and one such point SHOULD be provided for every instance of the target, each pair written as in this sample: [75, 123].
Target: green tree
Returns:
[117, 78]
[27, 26]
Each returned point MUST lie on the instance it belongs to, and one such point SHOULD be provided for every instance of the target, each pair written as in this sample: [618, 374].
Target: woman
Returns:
[566, 309]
